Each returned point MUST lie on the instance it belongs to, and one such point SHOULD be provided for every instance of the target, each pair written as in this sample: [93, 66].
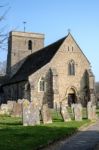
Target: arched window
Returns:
[29, 45]
[41, 85]
[71, 68]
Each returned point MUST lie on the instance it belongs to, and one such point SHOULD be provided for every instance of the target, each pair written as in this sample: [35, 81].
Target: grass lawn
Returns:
[97, 112]
[14, 136]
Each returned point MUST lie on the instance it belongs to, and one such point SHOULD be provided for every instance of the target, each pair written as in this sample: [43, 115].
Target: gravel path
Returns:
[83, 140]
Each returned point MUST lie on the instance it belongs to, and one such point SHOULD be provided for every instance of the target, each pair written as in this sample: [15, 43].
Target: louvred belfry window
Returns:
[29, 45]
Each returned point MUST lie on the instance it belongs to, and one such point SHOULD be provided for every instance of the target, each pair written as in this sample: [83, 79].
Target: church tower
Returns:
[20, 45]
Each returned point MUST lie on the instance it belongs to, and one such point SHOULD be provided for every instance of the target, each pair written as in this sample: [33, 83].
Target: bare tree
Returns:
[3, 32]
[3, 67]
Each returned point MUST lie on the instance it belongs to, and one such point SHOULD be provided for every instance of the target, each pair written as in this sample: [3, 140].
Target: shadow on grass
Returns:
[14, 136]
[37, 137]
[57, 120]
[12, 124]
[34, 137]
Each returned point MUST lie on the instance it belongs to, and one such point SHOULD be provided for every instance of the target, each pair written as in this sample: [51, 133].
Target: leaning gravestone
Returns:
[30, 114]
[46, 115]
[91, 109]
[78, 112]
[64, 113]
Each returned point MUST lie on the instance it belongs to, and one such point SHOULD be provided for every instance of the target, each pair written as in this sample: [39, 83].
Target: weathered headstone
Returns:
[93, 99]
[20, 101]
[91, 109]
[30, 114]
[78, 112]
[57, 106]
[10, 105]
[4, 109]
[94, 112]
[17, 110]
[72, 107]
[64, 113]
[46, 115]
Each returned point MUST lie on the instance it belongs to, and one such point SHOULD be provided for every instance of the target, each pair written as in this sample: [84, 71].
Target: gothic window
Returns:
[41, 84]
[68, 48]
[72, 48]
[71, 68]
[29, 45]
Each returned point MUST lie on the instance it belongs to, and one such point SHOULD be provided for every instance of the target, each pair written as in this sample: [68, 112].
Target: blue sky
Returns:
[54, 18]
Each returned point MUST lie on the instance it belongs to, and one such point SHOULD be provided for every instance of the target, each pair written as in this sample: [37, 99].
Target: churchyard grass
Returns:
[97, 112]
[15, 136]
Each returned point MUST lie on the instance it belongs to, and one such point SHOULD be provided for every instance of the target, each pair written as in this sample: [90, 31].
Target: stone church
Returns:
[53, 74]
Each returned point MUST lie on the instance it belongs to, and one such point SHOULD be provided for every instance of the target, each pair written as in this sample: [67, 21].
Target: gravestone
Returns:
[46, 114]
[91, 109]
[64, 113]
[20, 101]
[57, 106]
[93, 99]
[10, 105]
[17, 110]
[94, 112]
[72, 107]
[78, 112]
[30, 114]
[4, 109]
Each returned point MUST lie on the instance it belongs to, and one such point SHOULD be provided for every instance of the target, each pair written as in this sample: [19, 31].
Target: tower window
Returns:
[29, 45]
[71, 68]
